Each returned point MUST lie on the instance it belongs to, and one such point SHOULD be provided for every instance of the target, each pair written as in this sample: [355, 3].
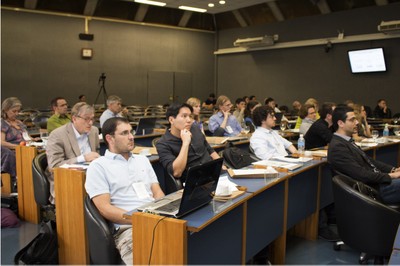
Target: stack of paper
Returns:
[269, 172]
[277, 164]
[291, 160]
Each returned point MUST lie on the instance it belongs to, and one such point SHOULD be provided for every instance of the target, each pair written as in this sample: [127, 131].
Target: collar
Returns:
[265, 130]
[115, 156]
[347, 138]
[62, 116]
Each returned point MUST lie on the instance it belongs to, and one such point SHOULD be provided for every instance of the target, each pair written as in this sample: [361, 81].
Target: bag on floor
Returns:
[43, 249]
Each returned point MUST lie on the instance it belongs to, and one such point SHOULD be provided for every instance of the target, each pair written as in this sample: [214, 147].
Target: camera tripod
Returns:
[102, 90]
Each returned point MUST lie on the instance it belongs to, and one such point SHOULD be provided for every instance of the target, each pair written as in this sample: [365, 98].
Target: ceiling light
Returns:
[210, 5]
[222, 2]
[195, 9]
[148, 2]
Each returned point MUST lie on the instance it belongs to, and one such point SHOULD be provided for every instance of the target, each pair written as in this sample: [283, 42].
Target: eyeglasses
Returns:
[125, 133]
[87, 119]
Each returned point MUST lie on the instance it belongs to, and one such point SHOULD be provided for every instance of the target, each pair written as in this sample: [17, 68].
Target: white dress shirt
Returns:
[83, 143]
[267, 143]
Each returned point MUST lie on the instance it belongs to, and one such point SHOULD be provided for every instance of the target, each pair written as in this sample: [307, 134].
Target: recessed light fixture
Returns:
[148, 2]
[195, 9]
[222, 2]
[210, 5]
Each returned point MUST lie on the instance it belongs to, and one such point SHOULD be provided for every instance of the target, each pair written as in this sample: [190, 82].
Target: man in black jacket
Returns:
[345, 157]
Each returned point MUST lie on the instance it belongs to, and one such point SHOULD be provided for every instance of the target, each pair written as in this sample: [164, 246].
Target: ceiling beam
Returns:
[239, 18]
[30, 4]
[185, 18]
[381, 2]
[141, 13]
[323, 7]
[90, 8]
[276, 11]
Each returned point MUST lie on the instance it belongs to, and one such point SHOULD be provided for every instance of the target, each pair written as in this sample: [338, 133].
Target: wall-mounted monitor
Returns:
[367, 60]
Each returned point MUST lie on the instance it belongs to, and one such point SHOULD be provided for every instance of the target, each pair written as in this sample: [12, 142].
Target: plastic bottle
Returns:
[301, 144]
[386, 131]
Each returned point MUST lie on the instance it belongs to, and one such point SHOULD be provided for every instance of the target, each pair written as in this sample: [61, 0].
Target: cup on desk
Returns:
[145, 152]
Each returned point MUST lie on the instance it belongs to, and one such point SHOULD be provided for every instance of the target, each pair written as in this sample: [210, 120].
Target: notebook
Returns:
[201, 182]
[146, 125]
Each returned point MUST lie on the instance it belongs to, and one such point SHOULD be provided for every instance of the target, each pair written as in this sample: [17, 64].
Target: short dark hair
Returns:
[239, 100]
[173, 109]
[268, 100]
[81, 96]
[261, 113]
[327, 108]
[340, 114]
[303, 112]
[251, 97]
[53, 102]
[110, 126]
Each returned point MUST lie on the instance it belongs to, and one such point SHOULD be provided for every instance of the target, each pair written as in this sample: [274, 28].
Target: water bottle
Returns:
[301, 144]
[386, 131]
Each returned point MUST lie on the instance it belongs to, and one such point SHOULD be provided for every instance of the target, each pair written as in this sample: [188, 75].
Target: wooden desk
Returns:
[69, 186]
[6, 186]
[28, 210]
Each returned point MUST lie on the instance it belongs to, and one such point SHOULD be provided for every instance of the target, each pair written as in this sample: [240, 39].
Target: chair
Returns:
[172, 184]
[154, 141]
[41, 120]
[102, 249]
[364, 223]
[41, 187]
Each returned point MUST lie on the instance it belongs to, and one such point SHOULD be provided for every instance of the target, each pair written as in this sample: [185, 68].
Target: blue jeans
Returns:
[391, 193]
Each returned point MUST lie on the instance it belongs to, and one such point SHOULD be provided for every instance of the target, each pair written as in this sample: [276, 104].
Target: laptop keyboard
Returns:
[170, 207]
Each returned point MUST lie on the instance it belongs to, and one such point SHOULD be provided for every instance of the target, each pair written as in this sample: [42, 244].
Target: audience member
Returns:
[120, 181]
[313, 102]
[239, 111]
[82, 98]
[265, 142]
[271, 103]
[363, 129]
[308, 115]
[182, 145]
[75, 142]
[296, 108]
[11, 134]
[210, 102]
[246, 99]
[320, 133]
[347, 158]
[248, 114]
[60, 116]
[114, 109]
[381, 110]
[223, 123]
[252, 98]
[195, 103]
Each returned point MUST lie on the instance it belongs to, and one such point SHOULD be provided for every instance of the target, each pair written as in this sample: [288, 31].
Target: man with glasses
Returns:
[120, 181]
[60, 116]
[224, 123]
[75, 142]
[346, 158]
[308, 116]
[183, 145]
[265, 142]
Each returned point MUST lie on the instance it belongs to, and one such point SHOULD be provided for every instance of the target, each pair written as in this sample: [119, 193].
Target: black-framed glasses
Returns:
[87, 119]
[125, 133]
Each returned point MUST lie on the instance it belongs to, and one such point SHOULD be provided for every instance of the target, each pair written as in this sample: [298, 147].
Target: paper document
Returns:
[289, 166]
[75, 166]
[291, 160]
[269, 172]
[225, 186]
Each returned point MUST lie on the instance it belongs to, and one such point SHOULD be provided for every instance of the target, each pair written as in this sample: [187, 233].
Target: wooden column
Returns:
[6, 186]
[170, 240]
[71, 227]
[28, 210]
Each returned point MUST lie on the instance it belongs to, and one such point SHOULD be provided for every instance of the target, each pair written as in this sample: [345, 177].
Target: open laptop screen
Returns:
[146, 125]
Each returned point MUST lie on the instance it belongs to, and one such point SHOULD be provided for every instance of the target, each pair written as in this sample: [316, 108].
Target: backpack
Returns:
[237, 158]
[43, 249]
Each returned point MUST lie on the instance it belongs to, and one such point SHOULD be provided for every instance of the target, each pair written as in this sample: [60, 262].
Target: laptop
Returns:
[278, 117]
[201, 182]
[146, 125]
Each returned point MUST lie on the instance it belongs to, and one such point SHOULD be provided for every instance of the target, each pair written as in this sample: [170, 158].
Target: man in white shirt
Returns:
[265, 142]
[120, 181]
[114, 109]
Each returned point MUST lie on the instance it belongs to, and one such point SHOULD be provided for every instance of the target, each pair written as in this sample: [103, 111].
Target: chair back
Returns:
[172, 184]
[41, 185]
[364, 223]
[102, 248]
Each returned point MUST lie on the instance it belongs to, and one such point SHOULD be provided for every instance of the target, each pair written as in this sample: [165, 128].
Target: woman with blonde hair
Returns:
[223, 123]
[196, 104]
[363, 129]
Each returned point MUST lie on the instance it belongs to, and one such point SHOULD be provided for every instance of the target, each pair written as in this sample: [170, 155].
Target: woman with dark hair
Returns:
[248, 114]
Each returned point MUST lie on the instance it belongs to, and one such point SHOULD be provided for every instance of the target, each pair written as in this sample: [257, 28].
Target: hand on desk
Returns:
[91, 156]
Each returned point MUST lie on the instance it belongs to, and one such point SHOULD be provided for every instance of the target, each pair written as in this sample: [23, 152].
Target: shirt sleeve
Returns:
[96, 182]
[213, 123]
[260, 147]
[166, 156]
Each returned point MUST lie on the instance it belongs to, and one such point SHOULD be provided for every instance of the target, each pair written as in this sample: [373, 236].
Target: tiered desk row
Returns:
[220, 233]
